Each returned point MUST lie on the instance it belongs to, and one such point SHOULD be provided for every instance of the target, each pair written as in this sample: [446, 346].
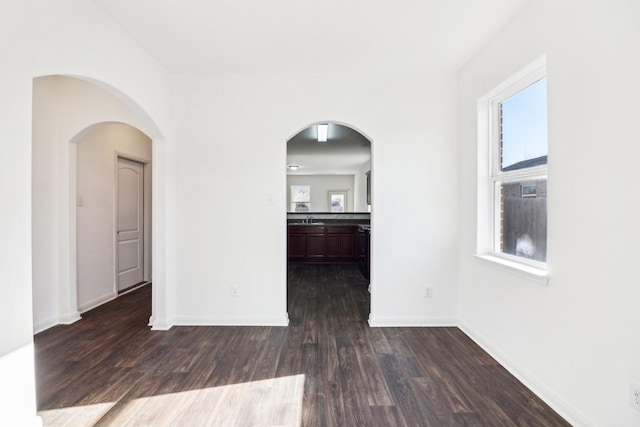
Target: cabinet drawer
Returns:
[345, 229]
[306, 229]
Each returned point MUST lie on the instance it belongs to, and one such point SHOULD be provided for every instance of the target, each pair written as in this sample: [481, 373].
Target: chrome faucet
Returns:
[308, 220]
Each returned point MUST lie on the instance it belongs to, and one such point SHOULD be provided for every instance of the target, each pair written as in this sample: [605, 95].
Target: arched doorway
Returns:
[329, 198]
[64, 109]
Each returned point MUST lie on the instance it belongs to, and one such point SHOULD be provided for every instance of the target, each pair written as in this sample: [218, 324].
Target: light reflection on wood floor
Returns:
[274, 402]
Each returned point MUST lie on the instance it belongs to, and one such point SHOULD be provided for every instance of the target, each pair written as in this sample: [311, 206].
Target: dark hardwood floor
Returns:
[354, 375]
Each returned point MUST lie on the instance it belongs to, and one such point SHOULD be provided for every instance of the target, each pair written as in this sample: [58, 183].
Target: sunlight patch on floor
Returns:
[273, 402]
[86, 415]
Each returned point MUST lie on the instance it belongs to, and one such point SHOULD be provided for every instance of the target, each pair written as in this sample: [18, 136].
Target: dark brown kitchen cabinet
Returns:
[307, 243]
[340, 242]
[297, 245]
[315, 245]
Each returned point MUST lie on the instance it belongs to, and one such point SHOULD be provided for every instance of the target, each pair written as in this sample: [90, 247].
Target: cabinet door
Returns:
[333, 245]
[297, 245]
[315, 245]
[347, 246]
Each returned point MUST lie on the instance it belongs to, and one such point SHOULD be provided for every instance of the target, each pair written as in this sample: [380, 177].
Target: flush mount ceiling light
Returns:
[293, 167]
[323, 132]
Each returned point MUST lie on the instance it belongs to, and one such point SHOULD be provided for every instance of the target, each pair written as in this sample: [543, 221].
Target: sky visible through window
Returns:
[524, 124]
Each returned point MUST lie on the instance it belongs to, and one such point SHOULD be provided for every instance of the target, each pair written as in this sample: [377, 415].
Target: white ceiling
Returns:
[246, 36]
[345, 151]
[313, 36]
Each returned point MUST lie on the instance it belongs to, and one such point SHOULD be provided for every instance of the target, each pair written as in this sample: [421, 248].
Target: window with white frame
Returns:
[516, 184]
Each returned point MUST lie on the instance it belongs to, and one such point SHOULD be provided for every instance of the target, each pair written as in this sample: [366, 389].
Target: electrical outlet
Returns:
[235, 291]
[428, 292]
[635, 395]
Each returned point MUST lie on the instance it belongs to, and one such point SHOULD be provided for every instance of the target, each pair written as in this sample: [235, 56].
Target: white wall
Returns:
[97, 152]
[576, 340]
[320, 187]
[44, 208]
[231, 240]
[41, 38]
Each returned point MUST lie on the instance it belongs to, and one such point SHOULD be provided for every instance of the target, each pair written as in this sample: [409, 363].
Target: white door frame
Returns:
[68, 296]
[146, 236]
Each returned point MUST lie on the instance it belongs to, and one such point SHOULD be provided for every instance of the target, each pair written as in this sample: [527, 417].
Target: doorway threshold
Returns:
[134, 287]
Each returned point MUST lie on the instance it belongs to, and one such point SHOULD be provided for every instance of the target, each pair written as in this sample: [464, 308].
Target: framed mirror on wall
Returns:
[300, 198]
[338, 200]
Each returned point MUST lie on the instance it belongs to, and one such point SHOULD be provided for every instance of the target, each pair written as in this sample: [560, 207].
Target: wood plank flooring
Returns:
[328, 368]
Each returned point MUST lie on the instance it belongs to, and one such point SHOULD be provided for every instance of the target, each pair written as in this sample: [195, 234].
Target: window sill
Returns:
[528, 272]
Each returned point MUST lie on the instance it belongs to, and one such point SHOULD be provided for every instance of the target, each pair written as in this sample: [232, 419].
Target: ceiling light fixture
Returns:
[293, 167]
[323, 132]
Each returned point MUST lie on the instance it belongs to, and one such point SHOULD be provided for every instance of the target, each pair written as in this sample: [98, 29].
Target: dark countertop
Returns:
[330, 223]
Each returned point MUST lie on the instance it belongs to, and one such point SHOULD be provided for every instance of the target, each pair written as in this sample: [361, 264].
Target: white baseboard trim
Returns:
[411, 322]
[69, 318]
[134, 288]
[43, 325]
[160, 325]
[97, 302]
[230, 321]
[562, 407]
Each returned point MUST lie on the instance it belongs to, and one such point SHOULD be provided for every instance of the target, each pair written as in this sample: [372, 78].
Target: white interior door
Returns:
[130, 223]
